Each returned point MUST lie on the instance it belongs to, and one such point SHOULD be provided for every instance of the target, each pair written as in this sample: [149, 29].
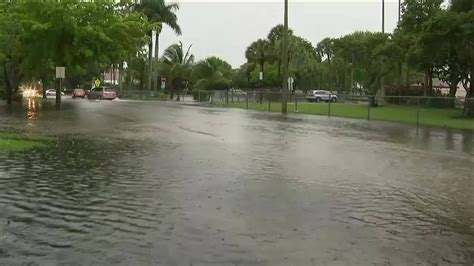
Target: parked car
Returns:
[102, 93]
[78, 93]
[237, 92]
[52, 92]
[320, 95]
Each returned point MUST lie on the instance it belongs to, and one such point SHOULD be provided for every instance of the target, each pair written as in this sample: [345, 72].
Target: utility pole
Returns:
[284, 96]
[383, 16]
[382, 87]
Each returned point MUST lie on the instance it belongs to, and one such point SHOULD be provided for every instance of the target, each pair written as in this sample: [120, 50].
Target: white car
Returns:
[320, 95]
[52, 92]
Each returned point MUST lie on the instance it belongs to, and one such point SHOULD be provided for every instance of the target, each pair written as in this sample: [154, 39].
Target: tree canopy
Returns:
[35, 36]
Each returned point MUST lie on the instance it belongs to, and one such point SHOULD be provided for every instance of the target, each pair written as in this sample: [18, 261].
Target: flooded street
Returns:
[147, 183]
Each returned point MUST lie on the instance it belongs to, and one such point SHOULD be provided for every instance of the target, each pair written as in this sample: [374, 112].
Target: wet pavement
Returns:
[147, 183]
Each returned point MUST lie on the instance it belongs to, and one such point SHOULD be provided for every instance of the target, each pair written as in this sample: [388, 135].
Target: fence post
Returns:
[269, 103]
[199, 95]
[296, 104]
[418, 113]
[247, 100]
[368, 111]
[212, 97]
[329, 106]
[227, 98]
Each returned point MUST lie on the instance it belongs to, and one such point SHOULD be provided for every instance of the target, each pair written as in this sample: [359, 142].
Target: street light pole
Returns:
[284, 96]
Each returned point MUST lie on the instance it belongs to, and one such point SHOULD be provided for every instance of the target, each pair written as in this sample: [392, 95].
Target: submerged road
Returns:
[147, 183]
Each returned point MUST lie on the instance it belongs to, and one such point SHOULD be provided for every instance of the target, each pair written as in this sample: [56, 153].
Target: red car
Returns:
[78, 93]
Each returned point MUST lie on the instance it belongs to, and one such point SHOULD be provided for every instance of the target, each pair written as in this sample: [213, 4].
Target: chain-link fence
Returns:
[429, 111]
[161, 95]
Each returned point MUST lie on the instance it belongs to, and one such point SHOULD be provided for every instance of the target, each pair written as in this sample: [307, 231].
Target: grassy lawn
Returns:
[20, 142]
[436, 117]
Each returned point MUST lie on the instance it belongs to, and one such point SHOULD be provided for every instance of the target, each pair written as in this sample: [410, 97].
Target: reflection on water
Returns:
[467, 142]
[445, 139]
[32, 108]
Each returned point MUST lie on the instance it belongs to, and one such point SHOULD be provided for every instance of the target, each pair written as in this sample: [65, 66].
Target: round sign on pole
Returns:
[97, 83]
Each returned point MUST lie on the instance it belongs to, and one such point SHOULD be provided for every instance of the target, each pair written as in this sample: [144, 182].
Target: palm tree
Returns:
[158, 13]
[177, 64]
[325, 48]
[212, 73]
[275, 37]
[248, 68]
[258, 52]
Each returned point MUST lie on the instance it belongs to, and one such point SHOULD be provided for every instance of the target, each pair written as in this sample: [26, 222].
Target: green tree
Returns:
[177, 64]
[465, 48]
[35, 36]
[303, 60]
[243, 75]
[275, 38]
[212, 73]
[259, 53]
[13, 34]
[325, 49]
[415, 15]
[158, 13]
[461, 5]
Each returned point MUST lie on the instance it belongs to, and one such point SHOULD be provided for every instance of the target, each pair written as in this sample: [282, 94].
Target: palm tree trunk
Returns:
[150, 64]
[120, 78]
[407, 73]
[43, 85]
[279, 69]
[8, 86]
[157, 38]
[468, 100]
[425, 87]
[113, 74]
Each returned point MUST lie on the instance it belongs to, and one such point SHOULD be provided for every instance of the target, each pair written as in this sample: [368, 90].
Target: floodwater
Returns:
[150, 183]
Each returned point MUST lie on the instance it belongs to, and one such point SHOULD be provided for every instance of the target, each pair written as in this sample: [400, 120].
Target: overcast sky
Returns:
[226, 28]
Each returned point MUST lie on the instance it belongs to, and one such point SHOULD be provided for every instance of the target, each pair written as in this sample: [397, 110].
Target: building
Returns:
[443, 87]
[112, 77]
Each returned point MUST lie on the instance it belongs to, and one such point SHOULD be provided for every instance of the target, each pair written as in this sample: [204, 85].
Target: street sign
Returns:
[97, 83]
[163, 82]
[60, 72]
[291, 81]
